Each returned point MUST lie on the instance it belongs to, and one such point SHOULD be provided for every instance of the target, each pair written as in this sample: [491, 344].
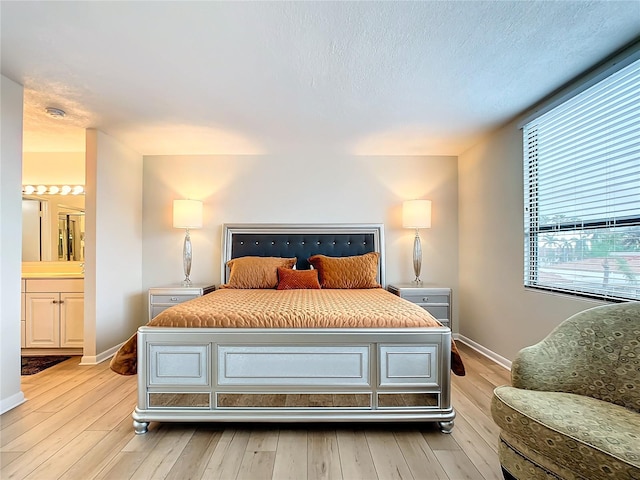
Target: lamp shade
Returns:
[416, 214]
[187, 214]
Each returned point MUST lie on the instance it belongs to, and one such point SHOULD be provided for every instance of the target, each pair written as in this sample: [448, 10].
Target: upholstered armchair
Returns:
[573, 409]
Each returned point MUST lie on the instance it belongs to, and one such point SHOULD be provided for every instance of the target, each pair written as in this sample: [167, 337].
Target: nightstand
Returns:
[161, 298]
[435, 300]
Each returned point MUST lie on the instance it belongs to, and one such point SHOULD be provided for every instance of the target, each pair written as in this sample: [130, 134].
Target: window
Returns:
[582, 192]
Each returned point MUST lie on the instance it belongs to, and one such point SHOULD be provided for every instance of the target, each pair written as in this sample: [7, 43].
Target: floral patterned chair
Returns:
[573, 410]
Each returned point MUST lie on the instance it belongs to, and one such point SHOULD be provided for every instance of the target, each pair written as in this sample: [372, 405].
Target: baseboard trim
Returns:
[39, 352]
[101, 357]
[12, 402]
[500, 360]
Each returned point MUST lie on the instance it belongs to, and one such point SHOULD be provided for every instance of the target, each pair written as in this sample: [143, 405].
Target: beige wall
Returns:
[10, 242]
[53, 168]
[309, 188]
[496, 311]
[113, 265]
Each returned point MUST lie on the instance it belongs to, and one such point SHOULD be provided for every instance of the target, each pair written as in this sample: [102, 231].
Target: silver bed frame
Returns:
[294, 375]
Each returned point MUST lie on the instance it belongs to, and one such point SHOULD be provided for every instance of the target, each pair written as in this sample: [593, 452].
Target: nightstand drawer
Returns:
[440, 312]
[161, 298]
[157, 299]
[425, 298]
[435, 300]
[158, 309]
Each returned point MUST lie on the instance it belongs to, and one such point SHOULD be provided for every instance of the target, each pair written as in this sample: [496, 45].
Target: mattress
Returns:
[267, 308]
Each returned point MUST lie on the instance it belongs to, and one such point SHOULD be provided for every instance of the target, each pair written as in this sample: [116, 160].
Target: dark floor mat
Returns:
[31, 365]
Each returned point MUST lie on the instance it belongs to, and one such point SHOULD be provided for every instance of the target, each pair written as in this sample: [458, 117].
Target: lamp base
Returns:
[416, 282]
[417, 258]
[187, 255]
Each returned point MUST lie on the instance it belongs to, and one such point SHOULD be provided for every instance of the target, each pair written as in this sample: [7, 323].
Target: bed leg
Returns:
[446, 427]
[140, 427]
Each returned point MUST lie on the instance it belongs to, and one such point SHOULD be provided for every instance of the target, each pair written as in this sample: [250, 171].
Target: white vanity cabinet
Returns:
[54, 313]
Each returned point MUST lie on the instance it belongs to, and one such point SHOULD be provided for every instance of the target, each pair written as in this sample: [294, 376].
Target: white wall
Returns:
[10, 241]
[495, 309]
[113, 266]
[289, 188]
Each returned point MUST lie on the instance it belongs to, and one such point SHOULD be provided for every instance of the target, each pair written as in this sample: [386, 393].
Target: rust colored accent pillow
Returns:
[359, 271]
[256, 272]
[297, 279]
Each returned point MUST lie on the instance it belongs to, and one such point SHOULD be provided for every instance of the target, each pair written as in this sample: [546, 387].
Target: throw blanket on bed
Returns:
[264, 308]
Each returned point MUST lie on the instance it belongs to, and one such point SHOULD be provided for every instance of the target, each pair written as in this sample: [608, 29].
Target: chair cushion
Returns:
[524, 467]
[593, 438]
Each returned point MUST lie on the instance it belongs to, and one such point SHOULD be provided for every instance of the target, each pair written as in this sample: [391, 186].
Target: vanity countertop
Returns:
[53, 270]
[52, 275]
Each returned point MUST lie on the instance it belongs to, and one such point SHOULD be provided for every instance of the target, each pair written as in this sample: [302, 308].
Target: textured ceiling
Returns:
[269, 77]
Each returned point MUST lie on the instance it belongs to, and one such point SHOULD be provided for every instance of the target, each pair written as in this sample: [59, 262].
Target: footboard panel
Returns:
[290, 375]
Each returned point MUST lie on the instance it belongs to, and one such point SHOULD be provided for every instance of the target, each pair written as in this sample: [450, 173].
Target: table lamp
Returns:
[187, 214]
[416, 214]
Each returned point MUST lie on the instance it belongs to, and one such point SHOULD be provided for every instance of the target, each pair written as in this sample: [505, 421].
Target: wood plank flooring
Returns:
[76, 425]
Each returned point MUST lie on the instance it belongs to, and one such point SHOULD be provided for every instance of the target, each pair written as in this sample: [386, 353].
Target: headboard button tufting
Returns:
[301, 245]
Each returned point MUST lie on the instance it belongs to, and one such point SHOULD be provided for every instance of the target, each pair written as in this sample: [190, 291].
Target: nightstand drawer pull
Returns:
[172, 298]
[427, 299]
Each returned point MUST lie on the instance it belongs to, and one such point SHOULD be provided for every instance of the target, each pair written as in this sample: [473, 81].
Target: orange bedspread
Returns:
[232, 308]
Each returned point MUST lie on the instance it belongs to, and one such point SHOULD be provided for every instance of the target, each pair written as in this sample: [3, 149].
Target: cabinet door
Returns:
[42, 322]
[71, 319]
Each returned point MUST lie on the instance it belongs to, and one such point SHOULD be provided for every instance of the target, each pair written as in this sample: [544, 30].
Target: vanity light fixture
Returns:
[416, 214]
[187, 214]
[52, 190]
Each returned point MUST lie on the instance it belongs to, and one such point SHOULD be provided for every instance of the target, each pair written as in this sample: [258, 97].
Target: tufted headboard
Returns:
[301, 241]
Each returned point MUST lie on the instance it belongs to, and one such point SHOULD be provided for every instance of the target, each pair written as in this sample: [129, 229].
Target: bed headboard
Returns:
[301, 241]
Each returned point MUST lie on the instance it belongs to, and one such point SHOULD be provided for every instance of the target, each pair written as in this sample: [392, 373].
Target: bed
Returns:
[373, 358]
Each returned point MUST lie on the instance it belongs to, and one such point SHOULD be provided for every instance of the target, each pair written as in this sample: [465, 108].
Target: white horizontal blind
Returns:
[582, 192]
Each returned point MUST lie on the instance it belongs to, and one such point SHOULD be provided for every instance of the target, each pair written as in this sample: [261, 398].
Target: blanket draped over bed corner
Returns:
[231, 308]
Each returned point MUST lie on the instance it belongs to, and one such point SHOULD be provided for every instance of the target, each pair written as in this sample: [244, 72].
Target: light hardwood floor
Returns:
[76, 425]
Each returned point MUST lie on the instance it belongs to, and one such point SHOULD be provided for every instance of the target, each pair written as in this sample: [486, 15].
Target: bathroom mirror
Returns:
[53, 228]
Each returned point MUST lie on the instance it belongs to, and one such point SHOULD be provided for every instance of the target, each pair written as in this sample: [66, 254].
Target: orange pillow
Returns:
[359, 271]
[256, 272]
[297, 279]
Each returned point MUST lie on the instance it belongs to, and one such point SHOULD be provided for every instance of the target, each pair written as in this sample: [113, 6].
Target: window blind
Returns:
[582, 192]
